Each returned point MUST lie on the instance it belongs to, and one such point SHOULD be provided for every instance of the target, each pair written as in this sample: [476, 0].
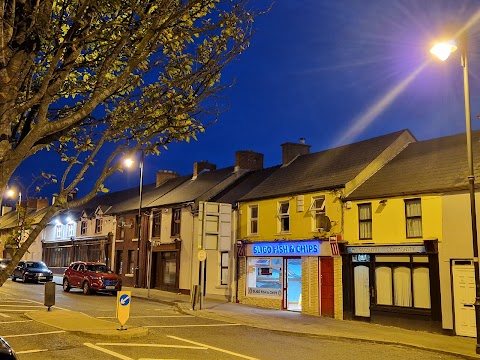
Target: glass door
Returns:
[293, 284]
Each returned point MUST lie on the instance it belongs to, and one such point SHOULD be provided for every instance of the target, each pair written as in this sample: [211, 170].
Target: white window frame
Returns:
[58, 231]
[315, 212]
[282, 216]
[252, 220]
[83, 227]
[98, 225]
[224, 257]
[70, 229]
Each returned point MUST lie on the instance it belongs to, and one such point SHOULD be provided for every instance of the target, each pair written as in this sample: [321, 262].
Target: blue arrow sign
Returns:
[124, 300]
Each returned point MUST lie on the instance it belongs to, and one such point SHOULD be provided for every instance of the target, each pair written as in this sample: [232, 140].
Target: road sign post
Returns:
[124, 298]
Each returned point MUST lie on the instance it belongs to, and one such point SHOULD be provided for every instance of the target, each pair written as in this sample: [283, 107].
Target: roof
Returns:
[328, 169]
[435, 165]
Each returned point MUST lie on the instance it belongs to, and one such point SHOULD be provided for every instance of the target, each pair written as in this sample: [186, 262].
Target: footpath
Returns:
[275, 320]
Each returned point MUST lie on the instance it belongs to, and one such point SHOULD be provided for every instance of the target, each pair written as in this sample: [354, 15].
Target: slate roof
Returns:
[232, 194]
[328, 169]
[429, 166]
[195, 189]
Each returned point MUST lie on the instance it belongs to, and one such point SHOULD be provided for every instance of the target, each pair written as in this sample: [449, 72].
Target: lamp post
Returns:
[129, 163]
[443, 51]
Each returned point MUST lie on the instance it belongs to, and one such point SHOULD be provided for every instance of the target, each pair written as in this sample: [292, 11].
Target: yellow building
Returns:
[290, 224]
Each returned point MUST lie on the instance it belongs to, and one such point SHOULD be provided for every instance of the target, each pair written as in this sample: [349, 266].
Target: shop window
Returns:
[318, 213]
[98, 226]
[284, 216]
[421, 288]
[83, 227]
[176, 222]
[224, 268]
[157, 223]
[70, 230]
[413, 215]
[264, 277]
[119, 262]
[402, 289]
[365, 221]
[58, 231]
[131, 262]
[383, 280]
[253, 215]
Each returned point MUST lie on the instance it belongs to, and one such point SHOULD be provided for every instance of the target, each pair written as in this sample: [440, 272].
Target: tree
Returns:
[76, 75]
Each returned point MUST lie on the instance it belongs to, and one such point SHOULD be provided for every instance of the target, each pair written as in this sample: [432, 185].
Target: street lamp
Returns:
[129, 162]
[443, 51]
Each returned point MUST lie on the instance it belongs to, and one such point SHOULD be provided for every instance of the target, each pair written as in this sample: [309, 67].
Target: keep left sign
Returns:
[124, 298]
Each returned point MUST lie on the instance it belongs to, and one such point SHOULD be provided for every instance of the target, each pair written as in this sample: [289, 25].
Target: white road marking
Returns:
[180, 326]
[113, 353]
[154, 345]
[35, 334]
[25, 306]
[55, 307]
[16, 321]
[147, 316]
[4, 315]
[213, 348]
[31, 351]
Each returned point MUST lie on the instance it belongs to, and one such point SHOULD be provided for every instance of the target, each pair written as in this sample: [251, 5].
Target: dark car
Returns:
[91, 277]
[32, 271]
[6, 351]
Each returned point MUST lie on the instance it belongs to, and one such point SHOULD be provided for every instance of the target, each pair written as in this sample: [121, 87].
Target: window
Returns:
[253, 214]
[119, 262]
[365, 221]
[157, 223]
[284, 216]
[131, 261]
[176, 222]
[318, 213]
[98, 226]
[83, 228]
[413, 215]
[224, 268]
[58, 231]
[70, 230]
[264, 277]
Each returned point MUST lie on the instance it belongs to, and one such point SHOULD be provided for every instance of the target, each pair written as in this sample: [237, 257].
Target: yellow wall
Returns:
[301, 221]
[388, 221]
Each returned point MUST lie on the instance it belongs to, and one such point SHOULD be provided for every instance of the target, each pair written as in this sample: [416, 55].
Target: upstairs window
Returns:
[176, 222]
[284, 216]
[83, 227]
[318, 213]
[413, 217]
[157, 223]
[253, 215]
[365, 221]
[70, 230]
[98, 226]
[58, 231]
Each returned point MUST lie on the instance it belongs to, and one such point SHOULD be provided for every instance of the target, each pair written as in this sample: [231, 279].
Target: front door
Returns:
[361, 282]
[327, 303]
[293, 284]
[464, 297]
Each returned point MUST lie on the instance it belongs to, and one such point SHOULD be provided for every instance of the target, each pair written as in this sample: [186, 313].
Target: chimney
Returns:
[200, 166]
[164, 175]
[291, 150]
[42, 203]
[248, 160]
[31, 203]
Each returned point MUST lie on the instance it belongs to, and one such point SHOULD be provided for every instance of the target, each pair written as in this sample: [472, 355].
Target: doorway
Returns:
[292, 291]
[165, 274]
[361, 281]
[464, 297]
[327, 286]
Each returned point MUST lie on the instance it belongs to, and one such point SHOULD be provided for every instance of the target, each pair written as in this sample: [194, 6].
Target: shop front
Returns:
[165, 266]
[286, 275]
[395, 285]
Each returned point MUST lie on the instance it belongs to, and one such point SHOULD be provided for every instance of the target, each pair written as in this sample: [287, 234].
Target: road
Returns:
[171, 335]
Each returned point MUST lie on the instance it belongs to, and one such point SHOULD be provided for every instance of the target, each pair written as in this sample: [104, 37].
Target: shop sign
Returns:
[264, 292]
[286, 248]
[387, 249]
[361, 258]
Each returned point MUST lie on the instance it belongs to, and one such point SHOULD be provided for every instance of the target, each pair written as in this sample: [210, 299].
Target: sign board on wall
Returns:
[284, 248]
[387, 249]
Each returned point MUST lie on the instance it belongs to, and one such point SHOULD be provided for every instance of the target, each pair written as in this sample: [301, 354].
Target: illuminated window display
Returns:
[264, 277]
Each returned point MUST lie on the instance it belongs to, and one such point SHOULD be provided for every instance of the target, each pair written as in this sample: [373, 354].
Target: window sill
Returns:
[221, 287]
[283, 233]
[129, 275]
[401, 309]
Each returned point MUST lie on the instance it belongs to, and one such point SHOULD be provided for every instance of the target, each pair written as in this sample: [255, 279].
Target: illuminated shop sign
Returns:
[287, 248]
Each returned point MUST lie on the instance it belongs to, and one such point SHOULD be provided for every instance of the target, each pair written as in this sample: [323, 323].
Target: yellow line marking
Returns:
[42, 333]
[31, 351]
[213, 348]
[181, 326]
[146, 316]
[4, 315]
[25, 306]
[154, 345]
[16, 321]
[113, 353]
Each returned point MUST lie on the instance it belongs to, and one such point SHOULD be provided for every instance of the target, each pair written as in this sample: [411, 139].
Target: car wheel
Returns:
[66, 285]
[86, 288]
[24, 278]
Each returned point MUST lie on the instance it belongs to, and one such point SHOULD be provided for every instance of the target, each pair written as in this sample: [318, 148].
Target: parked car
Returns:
[6, 351]
[32, 271]
[91, 277]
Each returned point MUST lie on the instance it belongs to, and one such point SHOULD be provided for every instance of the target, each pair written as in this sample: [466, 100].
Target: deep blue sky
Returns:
[333, 72]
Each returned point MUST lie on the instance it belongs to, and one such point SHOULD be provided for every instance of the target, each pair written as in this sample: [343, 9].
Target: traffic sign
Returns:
[123, 306]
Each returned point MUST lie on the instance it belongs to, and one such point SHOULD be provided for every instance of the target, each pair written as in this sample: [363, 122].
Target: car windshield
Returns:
[97, 268]
[35, 265]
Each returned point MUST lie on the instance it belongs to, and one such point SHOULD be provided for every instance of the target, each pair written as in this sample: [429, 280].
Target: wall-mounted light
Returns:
[383, 202]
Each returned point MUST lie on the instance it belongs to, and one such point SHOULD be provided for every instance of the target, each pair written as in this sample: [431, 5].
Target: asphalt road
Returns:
[171, 335]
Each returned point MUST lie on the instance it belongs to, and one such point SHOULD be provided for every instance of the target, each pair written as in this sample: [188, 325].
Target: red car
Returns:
[91, 277]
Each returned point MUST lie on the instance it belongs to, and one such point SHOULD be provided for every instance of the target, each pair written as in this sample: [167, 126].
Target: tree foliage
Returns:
[76, 75]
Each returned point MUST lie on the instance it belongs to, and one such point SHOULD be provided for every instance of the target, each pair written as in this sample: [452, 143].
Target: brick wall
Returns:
[310, 300]
[338, 287]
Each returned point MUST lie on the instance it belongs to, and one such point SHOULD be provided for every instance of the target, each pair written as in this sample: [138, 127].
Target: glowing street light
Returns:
[443, 51]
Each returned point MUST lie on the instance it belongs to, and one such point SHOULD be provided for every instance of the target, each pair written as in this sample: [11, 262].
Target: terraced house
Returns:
[290, 225]
[409, 258]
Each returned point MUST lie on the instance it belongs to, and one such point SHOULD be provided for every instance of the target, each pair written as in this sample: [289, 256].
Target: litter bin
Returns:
[49, 294]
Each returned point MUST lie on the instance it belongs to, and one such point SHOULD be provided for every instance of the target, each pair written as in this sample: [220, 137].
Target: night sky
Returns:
[332, 72]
